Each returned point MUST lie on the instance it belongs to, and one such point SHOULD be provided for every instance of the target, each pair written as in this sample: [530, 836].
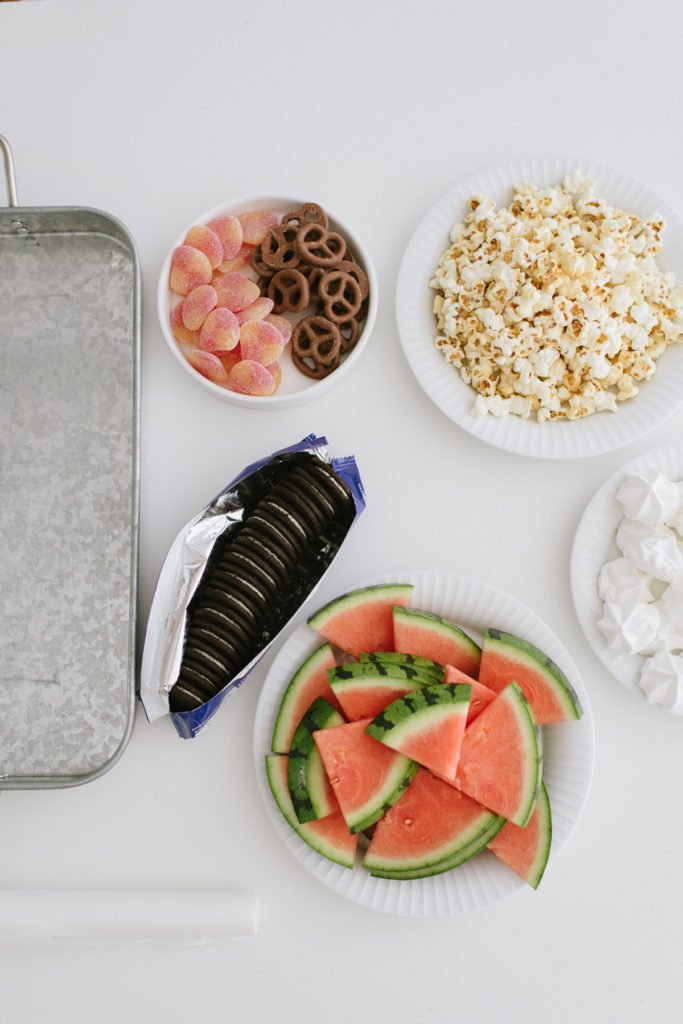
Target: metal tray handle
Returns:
[9, 172]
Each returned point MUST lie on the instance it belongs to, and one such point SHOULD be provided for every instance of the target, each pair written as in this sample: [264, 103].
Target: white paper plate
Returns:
[595, 544]
[599, 433]
[568, 756]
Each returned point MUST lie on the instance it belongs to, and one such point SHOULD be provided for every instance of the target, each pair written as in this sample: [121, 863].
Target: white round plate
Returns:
[295, 388]
[568, 755]
[559, 439]
[594, 544]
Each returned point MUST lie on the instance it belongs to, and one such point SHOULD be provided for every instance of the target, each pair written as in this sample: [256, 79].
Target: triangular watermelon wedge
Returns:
[366, 776]
[501, 757]
[526, 850]
[362, 620]
[427, 726]
[432, 825]
[329, 837]
[506, 657]
[481, 695]
[429, 636]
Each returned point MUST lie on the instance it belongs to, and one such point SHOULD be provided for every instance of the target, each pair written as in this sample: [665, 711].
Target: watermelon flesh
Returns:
[481, 695]
[431, 823]
[362, 620]
[500, 760]
[506, 657]
[429, 636]
[308, 683]
[526, 850]
[366, 776]
[427, 726]
[329, 837]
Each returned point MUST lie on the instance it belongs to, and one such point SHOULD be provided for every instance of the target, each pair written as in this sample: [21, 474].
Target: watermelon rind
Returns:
[454, 860]
[533, 752]
[515, 648]
[285, 726]
[442, 628]
[276, 772]
[356, 598]
[425, 665]
[540, 861]
[309, 789]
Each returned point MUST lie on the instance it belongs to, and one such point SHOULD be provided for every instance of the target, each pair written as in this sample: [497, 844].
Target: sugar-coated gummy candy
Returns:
[197, 306]
[180, 332]
[189, 269]
[251, 378]
[258, 310]
[261, 342]
[239, 261]
[220, 331]
[208, 365]
[231, 358]
[275, 370]
[229, 230]
[208, 242]
[256, 224]
[281, 323]
[236, 291]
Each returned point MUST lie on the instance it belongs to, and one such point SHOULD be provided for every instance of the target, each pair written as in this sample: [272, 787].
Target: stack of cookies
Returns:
[259, 572]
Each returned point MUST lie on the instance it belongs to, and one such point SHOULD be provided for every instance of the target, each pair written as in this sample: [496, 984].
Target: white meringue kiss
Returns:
[629, 628]
[661, 680]
[648, 497]
[621, 581]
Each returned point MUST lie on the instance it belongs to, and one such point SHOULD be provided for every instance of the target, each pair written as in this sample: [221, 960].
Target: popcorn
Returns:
[554, 307]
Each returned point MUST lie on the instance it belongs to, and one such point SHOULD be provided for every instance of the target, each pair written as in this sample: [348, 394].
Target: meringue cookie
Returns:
[629, 628]
[661, 680]
[648, 497]
[653, 549]
[621, 581]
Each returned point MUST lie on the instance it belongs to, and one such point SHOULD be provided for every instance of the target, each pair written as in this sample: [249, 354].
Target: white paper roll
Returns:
[93, 916]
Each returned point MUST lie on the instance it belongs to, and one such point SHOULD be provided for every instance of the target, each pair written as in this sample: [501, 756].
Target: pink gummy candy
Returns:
[208, 365]
[189, 269]
[261, 342]
[236, 291]
[251, 378]
[220, 331]
[258, 310]
[281, 323]
[239, 261]
[229, 230]
[180, 332]
[256, 224]
[208, 242]
[197, 306]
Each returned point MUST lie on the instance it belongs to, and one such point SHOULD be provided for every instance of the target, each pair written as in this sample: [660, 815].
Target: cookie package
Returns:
[238, 572]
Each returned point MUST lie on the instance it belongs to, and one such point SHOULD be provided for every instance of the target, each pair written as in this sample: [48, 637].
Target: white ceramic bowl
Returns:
[559, 439]
[295, 388]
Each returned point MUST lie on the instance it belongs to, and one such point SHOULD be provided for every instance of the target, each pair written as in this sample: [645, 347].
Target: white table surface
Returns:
[156, 111]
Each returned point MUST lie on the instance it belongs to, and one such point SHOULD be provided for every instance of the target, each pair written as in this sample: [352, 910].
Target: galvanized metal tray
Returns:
[69, 469]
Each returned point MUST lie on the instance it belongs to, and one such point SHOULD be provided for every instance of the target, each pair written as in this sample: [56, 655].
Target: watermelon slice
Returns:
[365, 695]
[430, 636]
[362, 620]
[501, 757]
[329, 837]
[309, 787]
[431, 825]
[308, 682]
[426, 665]
[506, 657]
[481, 695]
[427, 726]
[367, 777]
[526, 850]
